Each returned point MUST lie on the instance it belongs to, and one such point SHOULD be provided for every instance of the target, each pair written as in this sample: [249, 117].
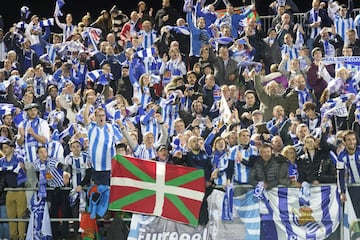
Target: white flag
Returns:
[349, 217]
[225, 113]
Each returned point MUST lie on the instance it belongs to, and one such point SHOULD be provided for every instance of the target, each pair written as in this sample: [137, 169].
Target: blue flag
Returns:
[148, 52]
[69, 131]
[6, 108]
[227, 211]
[245, 224]
[59, 4]
[180, 29]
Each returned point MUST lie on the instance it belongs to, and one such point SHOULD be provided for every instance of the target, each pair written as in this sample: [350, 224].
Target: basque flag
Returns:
[155, 188]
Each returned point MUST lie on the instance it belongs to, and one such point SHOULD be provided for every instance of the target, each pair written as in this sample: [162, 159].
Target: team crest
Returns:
[303, 218]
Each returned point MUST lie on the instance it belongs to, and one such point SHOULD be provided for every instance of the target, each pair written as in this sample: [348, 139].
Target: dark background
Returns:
[78, 8]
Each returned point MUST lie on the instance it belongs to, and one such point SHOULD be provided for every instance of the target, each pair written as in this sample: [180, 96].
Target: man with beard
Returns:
[268, 168]
[298, 96]
[348, 160]
[33, 133]
[125, 87]
[268, 97]
[198, 158]
[199, 36]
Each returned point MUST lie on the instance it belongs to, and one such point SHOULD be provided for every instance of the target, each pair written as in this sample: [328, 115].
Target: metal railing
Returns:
[51, 219]
[241, 187]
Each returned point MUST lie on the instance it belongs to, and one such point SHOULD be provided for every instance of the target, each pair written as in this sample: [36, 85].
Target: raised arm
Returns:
[58, 23]
[163, 130]
[133, 145]
[90, 99]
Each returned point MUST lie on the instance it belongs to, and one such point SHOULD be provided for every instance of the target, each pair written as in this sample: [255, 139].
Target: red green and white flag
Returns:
[155, 188]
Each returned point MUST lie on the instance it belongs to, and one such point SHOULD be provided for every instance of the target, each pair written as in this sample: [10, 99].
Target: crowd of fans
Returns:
[212, 90]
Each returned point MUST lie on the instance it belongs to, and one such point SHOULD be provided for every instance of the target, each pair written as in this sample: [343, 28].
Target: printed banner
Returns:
[344, 60]
[300, 213]
[351, 225]
[244, 226]
[151, 227]
[245, 223]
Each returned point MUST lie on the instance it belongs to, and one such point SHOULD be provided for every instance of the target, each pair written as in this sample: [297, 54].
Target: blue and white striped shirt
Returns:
[41, 128]
[56, 151]
[293, 53]
[102, 142]
[343, 24]
[314, 17]
[150, 124]
[54, 175]
[170, 112]
[351, 163]
[144, 96]
[78, 166]
[145, 153]
[242, 172]
[148, 38]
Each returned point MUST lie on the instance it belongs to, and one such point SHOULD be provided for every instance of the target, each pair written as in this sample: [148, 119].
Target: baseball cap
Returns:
[161, 147]
[7, 141]
[30, 106]
[315, 50]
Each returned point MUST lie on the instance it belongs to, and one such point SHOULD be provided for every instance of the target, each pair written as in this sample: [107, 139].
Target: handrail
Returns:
[59, 219]
[217, 187]
[34, 189]
[242, 186]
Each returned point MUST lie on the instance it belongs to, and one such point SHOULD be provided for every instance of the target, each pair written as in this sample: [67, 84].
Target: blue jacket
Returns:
[198, 37]
[100, 205]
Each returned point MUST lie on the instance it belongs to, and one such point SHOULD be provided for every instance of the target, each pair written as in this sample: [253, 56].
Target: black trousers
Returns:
[204, 210]
[59, 206]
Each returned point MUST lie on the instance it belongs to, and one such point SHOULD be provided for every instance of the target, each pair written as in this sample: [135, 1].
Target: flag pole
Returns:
[342, 220]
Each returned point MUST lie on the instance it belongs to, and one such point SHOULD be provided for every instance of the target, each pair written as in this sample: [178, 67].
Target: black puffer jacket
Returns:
[309, 168]
[273, 173]
[327, 171]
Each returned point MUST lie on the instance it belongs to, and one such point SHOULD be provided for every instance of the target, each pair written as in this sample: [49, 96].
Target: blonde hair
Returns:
[287, 149]
[274, 67]
[342, 70]
[141, 81]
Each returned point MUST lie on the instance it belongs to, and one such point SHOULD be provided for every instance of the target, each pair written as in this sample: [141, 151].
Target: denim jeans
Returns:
[4, 226]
